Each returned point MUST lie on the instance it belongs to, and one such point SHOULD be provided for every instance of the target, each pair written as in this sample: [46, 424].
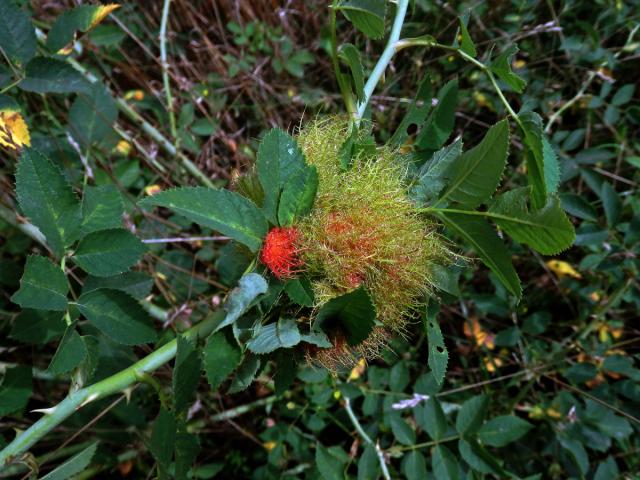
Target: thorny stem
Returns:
[109, 386]
[367, 439]
[165, 68]
[385, 58]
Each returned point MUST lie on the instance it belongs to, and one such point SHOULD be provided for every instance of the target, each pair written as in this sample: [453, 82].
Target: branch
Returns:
[165, 67]
[385, 58]
[367, 439]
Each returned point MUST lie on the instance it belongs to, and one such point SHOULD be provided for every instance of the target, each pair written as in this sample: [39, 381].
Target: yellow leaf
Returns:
[473, 329]
[562, 269]
[358, 370]
[123, 148]
[553, 413]
[269, 445]
[519, 64]
[137, 95]
[14, 132]
[152, 189]
[101, 13]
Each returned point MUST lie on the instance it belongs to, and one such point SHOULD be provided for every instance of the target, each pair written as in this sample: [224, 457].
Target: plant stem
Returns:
[109, 386]
[150, 130]
[242, 409]
[489, 74]
[165, 67]
[367, 439]
[385, 58]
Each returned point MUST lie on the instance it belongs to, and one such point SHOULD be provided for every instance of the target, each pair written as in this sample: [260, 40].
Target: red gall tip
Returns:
[280, 251]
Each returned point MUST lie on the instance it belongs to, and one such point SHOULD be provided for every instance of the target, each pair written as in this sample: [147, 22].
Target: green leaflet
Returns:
[542, 163]
[438, 354]
[118, 316]
[76, 464]
[366, 15]
[501, 66]
[501, 431]
[281, 334]
[224, 211]
[43, 286]
[471, 415]
[92, 116]
[466, 44]
[350, 55]
[82, 18]
[289, 184]
[439, 126]
[17, 34]
[417, 112]
[102, 208]
[298, 196]
[221, 357]
[242, 297]
[108, 252]
[479, 234]
[47, 199]
[15, 389]
[70, 353]
[186, 374]
[50, 75]
[475, 174]
[547, 230]
[353, 312]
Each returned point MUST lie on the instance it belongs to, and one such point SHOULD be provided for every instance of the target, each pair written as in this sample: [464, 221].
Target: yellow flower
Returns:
[14, 132]
[268, 446]
[563, 269]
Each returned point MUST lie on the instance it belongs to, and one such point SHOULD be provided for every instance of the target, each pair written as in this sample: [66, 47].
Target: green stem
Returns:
[385, 58]
[165, 67]
[109, 386]
[242, 409]
[498, 216]
[489, 74]
[11, 85]
[367, 439]
[429, 444]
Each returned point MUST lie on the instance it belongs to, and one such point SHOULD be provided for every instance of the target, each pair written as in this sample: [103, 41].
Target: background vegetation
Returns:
[553, 377]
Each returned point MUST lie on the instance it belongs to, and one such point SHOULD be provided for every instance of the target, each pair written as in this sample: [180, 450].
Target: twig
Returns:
[165, 68]
[385, 58]
[185, 239]
[367, 438]
[242, 409]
